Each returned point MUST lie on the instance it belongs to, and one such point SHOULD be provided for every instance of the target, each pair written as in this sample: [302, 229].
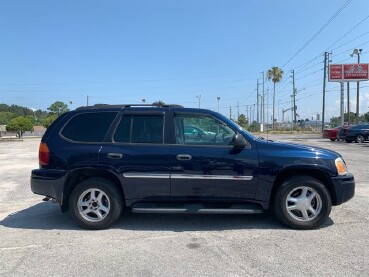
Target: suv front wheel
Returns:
[302, 202]
[95, 203]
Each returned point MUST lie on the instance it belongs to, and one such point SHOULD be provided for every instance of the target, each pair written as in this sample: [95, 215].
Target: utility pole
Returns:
[238, 110]
[294, 96]
[87, 100]
[357, 52]
[348, 103]
[230, 112]
[199, 97]
[257, 100]
[263, 104]
[326, 57]
[247, 114]
[250, 119]
[342, 103]
[218, 98]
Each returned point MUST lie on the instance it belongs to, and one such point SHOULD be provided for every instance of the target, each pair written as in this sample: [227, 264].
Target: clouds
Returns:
[333, 108]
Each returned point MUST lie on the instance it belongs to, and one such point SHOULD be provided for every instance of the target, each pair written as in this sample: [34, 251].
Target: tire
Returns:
[99, 211]
[348, 140]
[297, 198]
[360, 139]
[332, 139]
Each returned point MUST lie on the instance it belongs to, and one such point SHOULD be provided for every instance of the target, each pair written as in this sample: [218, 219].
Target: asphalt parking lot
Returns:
[36, 240]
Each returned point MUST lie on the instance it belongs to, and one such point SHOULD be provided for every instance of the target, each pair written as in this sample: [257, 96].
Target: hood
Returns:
[312, 150]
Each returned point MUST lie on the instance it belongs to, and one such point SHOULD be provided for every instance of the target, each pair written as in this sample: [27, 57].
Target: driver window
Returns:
[201, 130]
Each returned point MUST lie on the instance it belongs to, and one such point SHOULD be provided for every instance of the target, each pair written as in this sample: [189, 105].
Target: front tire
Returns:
[302, 202]
[348, 140]
[95, 203]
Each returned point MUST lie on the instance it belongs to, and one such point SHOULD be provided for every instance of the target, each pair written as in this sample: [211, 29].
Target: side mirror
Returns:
[238, 141]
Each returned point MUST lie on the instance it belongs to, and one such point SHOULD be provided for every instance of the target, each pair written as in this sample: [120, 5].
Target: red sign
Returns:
[335, 72]
[355, 71]
[348, 72]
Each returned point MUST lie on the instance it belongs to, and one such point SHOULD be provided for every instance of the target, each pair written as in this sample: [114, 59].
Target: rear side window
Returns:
[140, 129]
[89, 127]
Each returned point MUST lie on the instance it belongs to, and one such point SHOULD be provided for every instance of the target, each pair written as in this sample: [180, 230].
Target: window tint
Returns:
[89, 127]
[201, 130]
[140, 129]
[123, 131]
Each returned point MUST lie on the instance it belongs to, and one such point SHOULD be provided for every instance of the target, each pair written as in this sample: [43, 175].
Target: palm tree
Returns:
[275, 74]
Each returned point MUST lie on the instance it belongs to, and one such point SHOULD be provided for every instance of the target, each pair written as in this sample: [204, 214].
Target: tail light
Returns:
[43, 154]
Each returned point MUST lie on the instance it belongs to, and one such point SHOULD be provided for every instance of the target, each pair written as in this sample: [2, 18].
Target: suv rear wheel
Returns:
[95, 203]
[302, 202]
[359, 139]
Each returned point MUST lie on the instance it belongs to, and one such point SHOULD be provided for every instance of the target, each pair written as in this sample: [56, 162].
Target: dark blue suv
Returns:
[100, 161]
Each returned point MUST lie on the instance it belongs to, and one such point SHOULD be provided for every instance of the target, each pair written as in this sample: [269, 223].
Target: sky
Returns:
[187, 52]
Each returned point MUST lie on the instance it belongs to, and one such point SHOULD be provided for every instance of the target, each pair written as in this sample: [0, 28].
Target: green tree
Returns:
[20, 125]
[58, 108]
[158, 103]
[275, 74]
[254, 127]
[242, 120]
[366, 117]
[5, 117]
[336, 120]
[47, 122]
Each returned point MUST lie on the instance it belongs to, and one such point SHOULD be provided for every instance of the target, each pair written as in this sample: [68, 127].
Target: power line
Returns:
[353, 28]
[310, 74]
[319, 31]
[358, 46]
[350, 58]
[303, 70]
[360, 36]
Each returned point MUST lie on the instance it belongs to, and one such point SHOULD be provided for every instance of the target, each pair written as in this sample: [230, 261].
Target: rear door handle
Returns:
[114, 156]
[184, 157]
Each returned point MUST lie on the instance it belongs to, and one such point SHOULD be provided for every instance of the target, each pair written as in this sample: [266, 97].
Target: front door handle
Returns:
[114, 156]
[184, 157]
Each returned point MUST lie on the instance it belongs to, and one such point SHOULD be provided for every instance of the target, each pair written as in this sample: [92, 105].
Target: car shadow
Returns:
[47, 216]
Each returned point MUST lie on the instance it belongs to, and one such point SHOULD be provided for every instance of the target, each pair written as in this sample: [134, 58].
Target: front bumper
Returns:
[344, 188]
[49, 183]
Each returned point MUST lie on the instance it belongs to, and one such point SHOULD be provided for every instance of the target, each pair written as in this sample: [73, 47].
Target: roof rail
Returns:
[101, 106]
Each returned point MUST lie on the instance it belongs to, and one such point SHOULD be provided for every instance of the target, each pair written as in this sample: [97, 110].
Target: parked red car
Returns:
[332, 133]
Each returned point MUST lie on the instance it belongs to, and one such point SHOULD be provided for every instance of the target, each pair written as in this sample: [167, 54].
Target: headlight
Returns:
[341, 166]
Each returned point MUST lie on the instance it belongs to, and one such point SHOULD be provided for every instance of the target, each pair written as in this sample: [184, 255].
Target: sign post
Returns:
[342, 113]
[347, 73]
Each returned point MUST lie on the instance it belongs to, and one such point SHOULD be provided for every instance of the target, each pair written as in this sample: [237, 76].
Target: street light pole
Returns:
[199, 97]
[218, 98]
[357, 52]
[257, 101]
[263, 104]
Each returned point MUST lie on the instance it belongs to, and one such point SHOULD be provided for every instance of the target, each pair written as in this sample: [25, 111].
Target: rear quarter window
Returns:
[88, 127]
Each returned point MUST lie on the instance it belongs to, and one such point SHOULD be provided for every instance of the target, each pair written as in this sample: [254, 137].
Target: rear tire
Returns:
[360, 139]
[348, 140]
[332, 139]
[302, 202]
[96, 203]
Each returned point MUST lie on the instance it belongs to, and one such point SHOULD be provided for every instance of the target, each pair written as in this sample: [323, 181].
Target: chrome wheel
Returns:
[93, 205]
[360, 139]
[303, 203]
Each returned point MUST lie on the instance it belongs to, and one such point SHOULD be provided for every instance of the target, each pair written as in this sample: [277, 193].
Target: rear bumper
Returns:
[329, 136]
[49, 183]
[344, 188]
